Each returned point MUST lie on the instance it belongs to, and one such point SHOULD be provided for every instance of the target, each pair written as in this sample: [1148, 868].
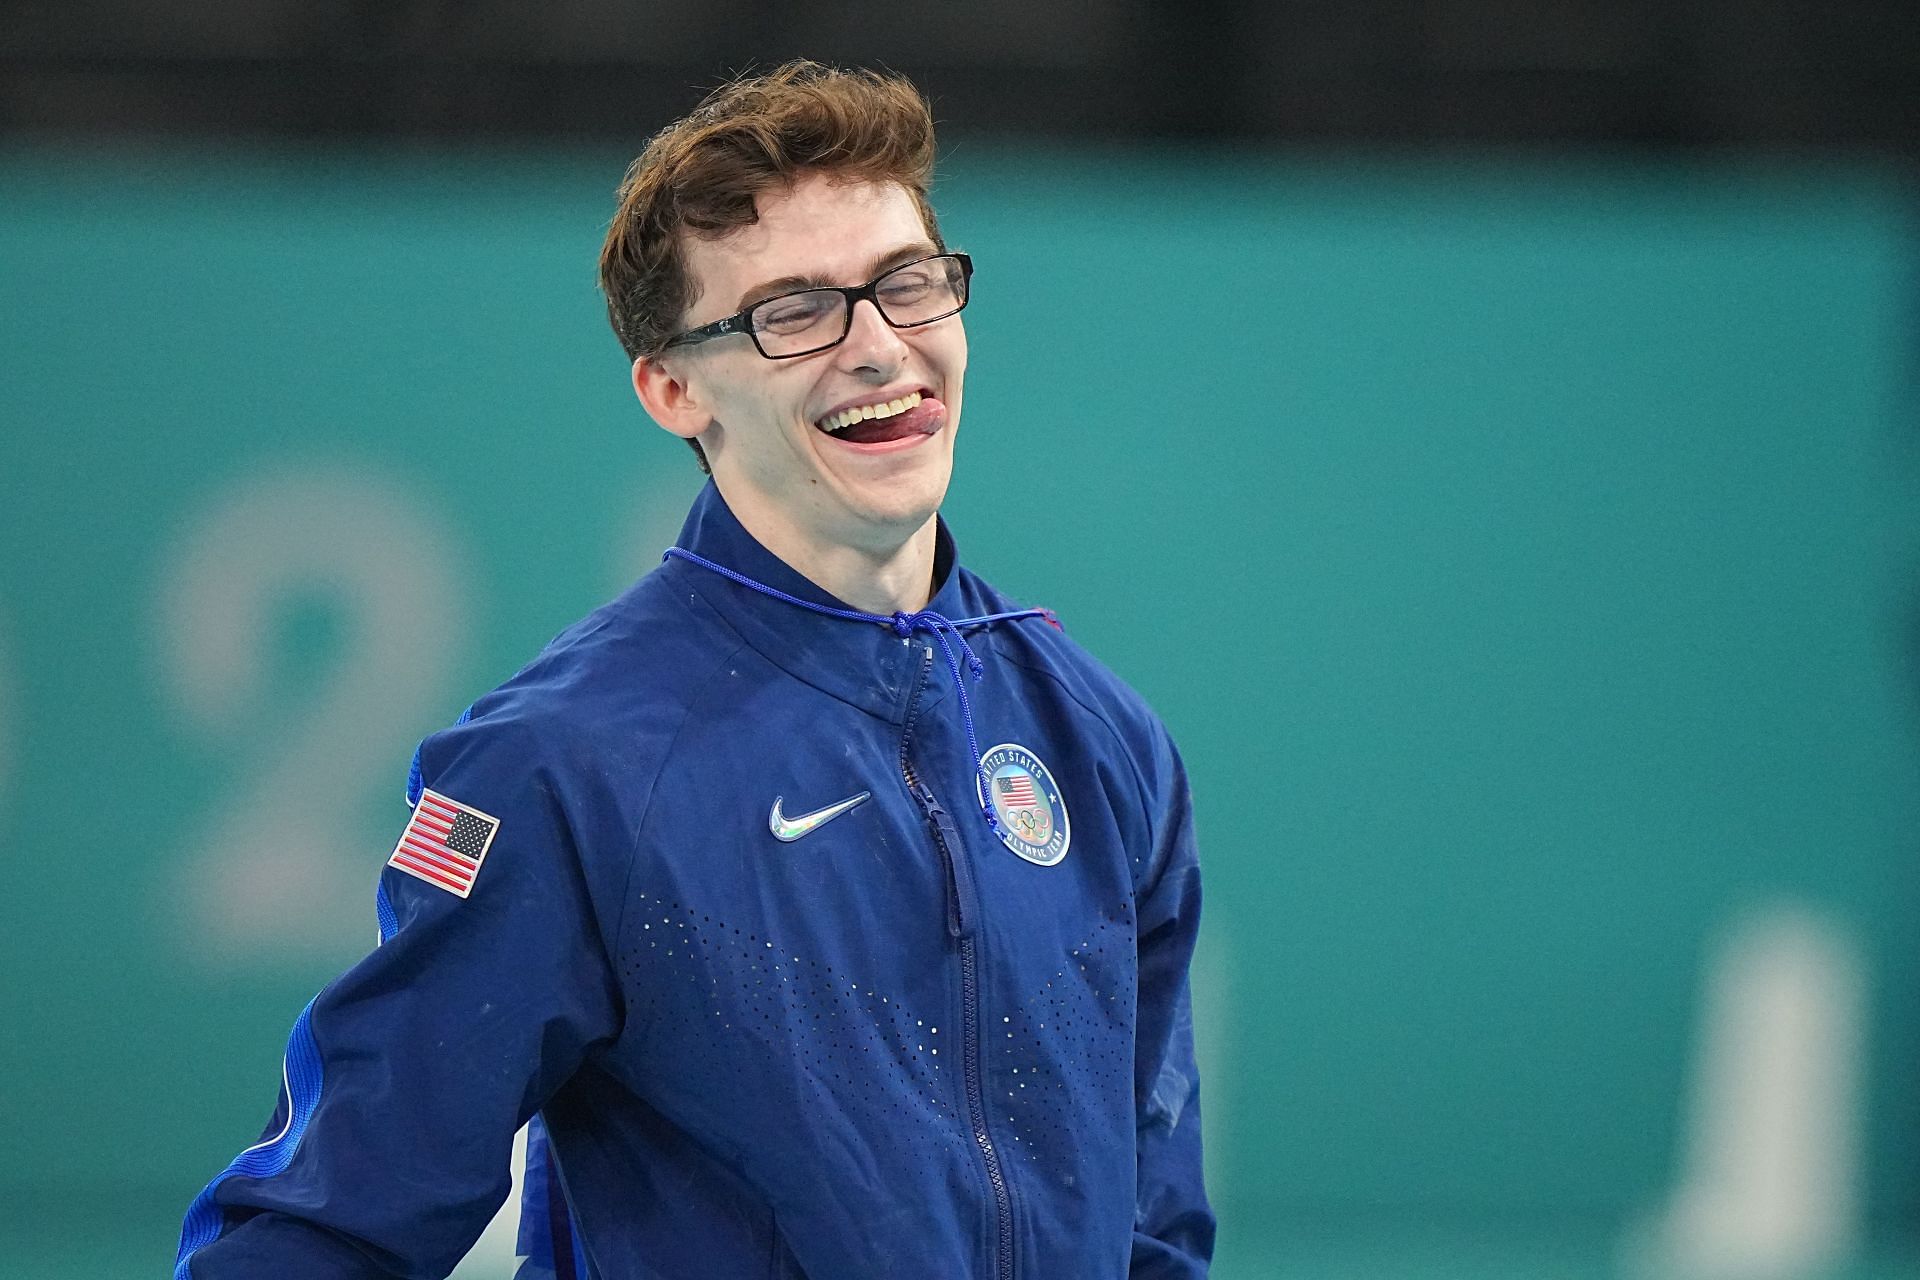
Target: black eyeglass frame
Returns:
[739, 322]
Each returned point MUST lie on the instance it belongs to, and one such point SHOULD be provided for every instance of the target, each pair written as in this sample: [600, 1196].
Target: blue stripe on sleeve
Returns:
[550, 1246]
[579, 1249]
[301, 1079]
[414, 782]
[383, 907]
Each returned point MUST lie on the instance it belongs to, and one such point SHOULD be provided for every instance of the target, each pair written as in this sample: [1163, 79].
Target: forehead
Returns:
[818, 228]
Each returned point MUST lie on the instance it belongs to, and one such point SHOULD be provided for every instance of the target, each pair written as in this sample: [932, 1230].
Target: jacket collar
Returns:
[863, 663]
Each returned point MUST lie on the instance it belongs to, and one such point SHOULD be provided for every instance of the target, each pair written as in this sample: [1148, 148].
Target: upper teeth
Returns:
[847, 417]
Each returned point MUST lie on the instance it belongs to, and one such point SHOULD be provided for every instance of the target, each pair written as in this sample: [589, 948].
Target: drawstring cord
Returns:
[943, 629]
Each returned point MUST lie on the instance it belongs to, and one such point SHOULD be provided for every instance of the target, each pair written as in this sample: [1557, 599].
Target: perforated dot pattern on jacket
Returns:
[801, 1043]
[1068, 1049]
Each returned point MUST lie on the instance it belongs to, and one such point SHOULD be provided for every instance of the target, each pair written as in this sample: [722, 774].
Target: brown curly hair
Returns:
[702, 175]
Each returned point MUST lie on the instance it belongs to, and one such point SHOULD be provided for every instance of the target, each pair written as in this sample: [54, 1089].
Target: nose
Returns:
[871, 345]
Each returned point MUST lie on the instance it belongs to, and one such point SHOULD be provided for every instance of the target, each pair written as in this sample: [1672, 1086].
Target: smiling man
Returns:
[828, 426]
[722, 893]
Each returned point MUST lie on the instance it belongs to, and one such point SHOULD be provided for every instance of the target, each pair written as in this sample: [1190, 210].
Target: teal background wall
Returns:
[1525, 554]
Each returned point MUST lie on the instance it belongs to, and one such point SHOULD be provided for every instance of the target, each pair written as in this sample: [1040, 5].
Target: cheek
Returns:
[948, 354]
[757, 412]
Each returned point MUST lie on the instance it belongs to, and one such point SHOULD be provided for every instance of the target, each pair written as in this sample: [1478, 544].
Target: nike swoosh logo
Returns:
[791, 829]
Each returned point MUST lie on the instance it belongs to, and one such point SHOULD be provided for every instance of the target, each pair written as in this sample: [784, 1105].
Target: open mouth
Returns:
[914, 414]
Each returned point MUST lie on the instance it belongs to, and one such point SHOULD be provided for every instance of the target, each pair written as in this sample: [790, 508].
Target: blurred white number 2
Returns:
[281, 863]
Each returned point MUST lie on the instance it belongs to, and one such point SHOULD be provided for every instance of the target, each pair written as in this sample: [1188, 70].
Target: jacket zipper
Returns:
[962, 917]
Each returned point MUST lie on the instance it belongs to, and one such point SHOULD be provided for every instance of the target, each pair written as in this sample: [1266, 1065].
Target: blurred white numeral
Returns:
[1771, 1171]
[282, 863]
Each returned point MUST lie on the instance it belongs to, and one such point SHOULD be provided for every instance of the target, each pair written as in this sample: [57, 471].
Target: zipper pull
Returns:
[962, 904]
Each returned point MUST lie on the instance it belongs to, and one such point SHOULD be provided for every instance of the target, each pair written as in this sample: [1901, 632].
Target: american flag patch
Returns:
[1017, 790]
[444, 843]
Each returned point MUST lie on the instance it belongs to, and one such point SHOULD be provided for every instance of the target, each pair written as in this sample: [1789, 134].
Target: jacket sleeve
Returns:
[407, 1077]
[1173, 1224]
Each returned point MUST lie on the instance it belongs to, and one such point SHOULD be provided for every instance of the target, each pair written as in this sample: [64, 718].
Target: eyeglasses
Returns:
[810, 320]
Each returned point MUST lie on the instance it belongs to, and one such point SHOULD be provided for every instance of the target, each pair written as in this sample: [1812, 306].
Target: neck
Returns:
[893, 575]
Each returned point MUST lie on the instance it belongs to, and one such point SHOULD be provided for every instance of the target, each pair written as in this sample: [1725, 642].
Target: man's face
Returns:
[763, 432]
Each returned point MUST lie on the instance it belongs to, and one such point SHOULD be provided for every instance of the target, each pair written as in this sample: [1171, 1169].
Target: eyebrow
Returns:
[878, 267]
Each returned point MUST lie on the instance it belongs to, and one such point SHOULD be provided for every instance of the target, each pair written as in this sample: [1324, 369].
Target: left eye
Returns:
[792, 315]
[907, 288]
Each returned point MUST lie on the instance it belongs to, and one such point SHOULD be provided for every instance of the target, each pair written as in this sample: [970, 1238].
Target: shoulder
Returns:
[589, 719]
[1045, 650]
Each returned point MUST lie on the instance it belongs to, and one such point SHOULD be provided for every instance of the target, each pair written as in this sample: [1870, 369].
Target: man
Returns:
[798, 979]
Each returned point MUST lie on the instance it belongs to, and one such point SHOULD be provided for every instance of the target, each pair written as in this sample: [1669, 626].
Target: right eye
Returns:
[794, 315]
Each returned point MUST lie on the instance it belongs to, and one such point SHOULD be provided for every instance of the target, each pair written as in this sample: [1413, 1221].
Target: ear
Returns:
[668, 399]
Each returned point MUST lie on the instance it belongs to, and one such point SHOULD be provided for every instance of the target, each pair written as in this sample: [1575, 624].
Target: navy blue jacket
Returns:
[901, 1044]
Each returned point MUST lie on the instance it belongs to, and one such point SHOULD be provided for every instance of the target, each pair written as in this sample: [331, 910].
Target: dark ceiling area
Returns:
[1774, 74]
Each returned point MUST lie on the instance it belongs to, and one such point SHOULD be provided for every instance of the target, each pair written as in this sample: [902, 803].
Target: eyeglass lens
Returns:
[918, 293]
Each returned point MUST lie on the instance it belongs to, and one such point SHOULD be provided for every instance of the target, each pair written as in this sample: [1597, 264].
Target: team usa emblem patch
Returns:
[1026, 800]
[444, 843]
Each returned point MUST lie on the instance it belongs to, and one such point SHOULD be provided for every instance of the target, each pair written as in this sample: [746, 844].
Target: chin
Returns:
[904, 506]
[904, 495]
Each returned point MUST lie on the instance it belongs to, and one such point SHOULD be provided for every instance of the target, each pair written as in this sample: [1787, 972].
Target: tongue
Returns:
[874, 430]
[921, 420]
